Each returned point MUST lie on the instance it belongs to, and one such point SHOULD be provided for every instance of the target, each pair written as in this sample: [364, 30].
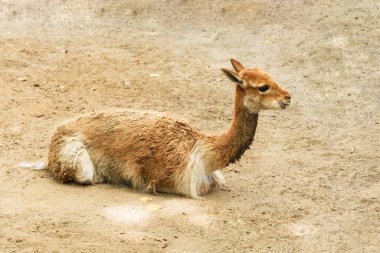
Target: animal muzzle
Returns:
[284, 103]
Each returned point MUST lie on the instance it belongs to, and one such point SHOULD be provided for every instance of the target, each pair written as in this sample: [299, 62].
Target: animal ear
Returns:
[233, 76]
[237, 65]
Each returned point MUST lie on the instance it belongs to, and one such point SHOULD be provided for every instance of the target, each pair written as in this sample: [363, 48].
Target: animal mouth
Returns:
[284, 104]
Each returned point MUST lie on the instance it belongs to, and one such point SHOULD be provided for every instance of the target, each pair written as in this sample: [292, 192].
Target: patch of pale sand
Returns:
[194, 212]
[140, 213]
[301, 229]
[202, 220]
[187, 244]
[12, 206]
[372, 191]
[132, 214]
[135, 215]
[339, 41]
[179, 206]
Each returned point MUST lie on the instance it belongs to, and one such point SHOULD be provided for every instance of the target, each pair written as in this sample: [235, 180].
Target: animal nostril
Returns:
[288, 97]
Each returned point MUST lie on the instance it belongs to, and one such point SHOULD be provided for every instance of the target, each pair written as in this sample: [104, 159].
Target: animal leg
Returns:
[75, 155]
[220, 181]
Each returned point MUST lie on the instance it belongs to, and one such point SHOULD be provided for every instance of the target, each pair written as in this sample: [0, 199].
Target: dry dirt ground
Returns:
[309, 183]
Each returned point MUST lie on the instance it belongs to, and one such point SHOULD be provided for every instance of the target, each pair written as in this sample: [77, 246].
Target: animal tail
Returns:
[40, 165]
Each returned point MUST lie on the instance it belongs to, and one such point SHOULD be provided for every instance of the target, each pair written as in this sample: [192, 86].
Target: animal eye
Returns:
[264, 88]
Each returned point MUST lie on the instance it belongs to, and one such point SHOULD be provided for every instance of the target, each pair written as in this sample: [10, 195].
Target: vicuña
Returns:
[159, 154]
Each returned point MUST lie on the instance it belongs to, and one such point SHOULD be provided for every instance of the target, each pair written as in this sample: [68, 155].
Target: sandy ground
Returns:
[311, 181]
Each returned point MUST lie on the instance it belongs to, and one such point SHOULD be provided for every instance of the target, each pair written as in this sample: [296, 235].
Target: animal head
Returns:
[260, 90]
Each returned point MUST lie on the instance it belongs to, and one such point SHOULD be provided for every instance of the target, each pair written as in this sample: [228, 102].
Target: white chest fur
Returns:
[197, 177]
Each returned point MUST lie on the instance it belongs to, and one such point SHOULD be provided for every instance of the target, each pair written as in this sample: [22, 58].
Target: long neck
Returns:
[231, 145]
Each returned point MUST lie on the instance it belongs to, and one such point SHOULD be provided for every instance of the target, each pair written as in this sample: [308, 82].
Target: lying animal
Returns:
[157, 153]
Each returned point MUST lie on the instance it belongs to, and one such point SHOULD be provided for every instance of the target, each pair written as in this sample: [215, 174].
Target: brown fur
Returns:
[157, 153]
[122, 138]
[230, 146]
